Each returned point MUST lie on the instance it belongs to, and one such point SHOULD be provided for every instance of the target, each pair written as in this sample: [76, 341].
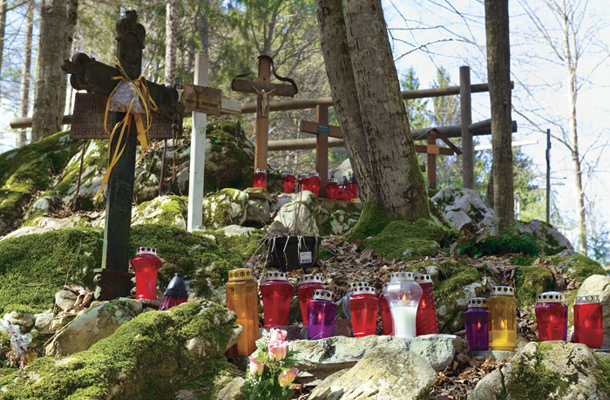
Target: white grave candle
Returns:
[404, 321]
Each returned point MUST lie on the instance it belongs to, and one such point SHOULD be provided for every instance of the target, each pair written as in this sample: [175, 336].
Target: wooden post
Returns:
[262, 117]
[548, 176]
[197, 162]
[431, 167]
[322, 149]
[466, 119]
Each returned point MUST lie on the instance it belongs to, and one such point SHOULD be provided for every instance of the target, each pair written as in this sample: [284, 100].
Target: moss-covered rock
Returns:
[462, 206]
[530, 282]
[554, 241]
[371, 222]
[163, 210]
[338, 217]
[150, 357]
[226, 207]
[456, 284]
[300, 215]
[581, 267]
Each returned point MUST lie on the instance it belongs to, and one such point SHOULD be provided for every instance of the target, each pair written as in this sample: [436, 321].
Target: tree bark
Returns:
[3, 11]
[26, 75]
[171, 42]
[354, 37]
[69, 30]
[498, 71]
[45, 120]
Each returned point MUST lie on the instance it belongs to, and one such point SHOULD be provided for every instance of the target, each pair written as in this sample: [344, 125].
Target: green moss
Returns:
[455, 277]
[246, 245]
[219, 374]
[372, 221]
[569, 299]
[20, 308]
[602, 375]
[530, 282]
[580, 267]
[168, 210]
[523, 261]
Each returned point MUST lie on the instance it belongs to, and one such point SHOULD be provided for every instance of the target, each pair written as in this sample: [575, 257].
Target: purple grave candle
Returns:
[321, 315]
[476, 323]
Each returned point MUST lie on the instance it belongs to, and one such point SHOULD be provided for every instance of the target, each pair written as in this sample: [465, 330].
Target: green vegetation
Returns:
[510, 240]
[455, 277]
[372, 221]
[602, 375]
[530, 282]
[580, 267]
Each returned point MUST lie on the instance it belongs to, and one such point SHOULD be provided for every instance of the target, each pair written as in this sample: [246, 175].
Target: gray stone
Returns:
[25, 321]
[226, 207]
[65, 299]
[44, 321]
[232, 390]
[257, 213]
[462, 206]
[381, 374]
[166, 210]
[495, 355]
[557, 370]
[300, 215]
[600, 285]
[326, 356]
[237, 230]
[146, 186]
[555, 241]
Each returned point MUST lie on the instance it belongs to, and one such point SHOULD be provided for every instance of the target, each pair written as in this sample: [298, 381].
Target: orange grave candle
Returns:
[242, 298]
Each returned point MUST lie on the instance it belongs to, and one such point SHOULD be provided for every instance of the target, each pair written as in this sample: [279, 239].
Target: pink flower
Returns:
[256, 368]
[277, 335]
[286, 377]
[277, 350]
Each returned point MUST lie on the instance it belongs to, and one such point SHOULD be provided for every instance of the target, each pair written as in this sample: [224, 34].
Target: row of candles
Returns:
[347, 190]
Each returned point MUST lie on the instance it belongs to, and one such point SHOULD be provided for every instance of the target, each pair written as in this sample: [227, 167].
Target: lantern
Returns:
[260, 178]
[502, 306]
[175, 293]
[476, 323]
[345, 304]
[403, 295]
[146, 265]
[302, 182]
[289, 180]
[314, 183]
[307, 285]
[364, 311]
[344, 193]
[588, 326]
[384, 310]
[552, 317]
[332, 189]
[426, 311]
[322, 311]
[242, 298]
[353, 186]
[277, 293]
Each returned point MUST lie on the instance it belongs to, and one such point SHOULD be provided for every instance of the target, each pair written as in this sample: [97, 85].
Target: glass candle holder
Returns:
[345, 304]
[302, 182]
[588, 323]
[175, 293]
[384, 310]
[332, 189]
[502, 306]
[146, 265]
[242, 298]
[289, 180]
[364, 311]
[308, 284]
[353, 186]
[344, 193]
[260, 178]
[314, 183]
[426, 311]
[403, 295]
[552, 317]
[322, 312]
[476, 323]
[277, 293]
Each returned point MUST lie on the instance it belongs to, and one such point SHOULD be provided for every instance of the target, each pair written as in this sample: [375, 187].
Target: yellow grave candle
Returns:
[242, 297]
[502, 306]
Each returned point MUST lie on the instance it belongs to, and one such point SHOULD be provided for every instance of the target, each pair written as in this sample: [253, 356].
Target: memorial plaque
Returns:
[88, 119]
[324, 129]
[201, 99]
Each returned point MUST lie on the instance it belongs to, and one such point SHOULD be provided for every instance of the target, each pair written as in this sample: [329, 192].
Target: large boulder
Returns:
[300, 214]
[462, 206]
[549, 370]
[226, 207]
[163, 210]
[555, 241]
[381, 374]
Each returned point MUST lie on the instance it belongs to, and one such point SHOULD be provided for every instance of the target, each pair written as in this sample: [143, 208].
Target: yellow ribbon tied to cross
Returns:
[131, 97]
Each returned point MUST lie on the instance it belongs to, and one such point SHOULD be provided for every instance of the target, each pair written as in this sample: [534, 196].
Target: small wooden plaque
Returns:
[202, 99]
[433, 149]
[88, 119]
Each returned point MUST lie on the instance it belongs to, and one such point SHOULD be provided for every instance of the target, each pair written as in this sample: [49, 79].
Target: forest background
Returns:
[560, 51]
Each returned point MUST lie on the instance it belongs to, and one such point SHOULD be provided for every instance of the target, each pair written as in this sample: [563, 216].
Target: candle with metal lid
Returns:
[403, 295]
[322, 312]
[502, 306]
[307, 285]
[476, 324]
[551, 317]
[276, 292]
[588, 323]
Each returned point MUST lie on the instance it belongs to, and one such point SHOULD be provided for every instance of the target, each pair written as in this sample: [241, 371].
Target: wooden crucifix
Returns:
[113, 279]
[433, 150]
[264, 88]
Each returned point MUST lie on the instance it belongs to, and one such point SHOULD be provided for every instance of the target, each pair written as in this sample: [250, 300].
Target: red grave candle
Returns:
[175, 294]
[426, 311]
[552, 317]
[588, 324]
[289, 180]
[302, 182]
[308, 284]
[146, 265]
[353, 186]
[314, 183]
[363, 304]
[344, 192]
[386, 314]
[332, 189]
[277, 293]
[260, 178]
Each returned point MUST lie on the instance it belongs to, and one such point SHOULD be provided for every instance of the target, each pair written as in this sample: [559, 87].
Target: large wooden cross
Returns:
[113, 279]
[264, 88]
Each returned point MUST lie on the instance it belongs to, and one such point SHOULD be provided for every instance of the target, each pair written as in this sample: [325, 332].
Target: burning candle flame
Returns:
[403, 297]
[502, 324]
[478, 325]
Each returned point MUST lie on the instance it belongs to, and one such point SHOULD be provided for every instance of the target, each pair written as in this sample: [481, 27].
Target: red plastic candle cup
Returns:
[146, 265]
[175, 293]
[364, 311]
[426, 311]
[344, 193]
[260, 178]
[384, 310]
[476, 324]
[345, 301]
[322, 312]
[289, 180]
[307, 286]
[277, 293]
[552, 317]
[353, 186]
[315, 182]
[588, 324]
[303, 182]
[332, 189]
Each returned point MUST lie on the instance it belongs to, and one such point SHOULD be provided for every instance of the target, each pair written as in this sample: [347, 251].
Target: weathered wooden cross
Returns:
[113, 279]
[264, 88]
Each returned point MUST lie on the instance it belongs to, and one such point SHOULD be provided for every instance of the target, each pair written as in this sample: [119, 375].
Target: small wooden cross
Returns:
[264, 88]
[433, 150]
[113, 279]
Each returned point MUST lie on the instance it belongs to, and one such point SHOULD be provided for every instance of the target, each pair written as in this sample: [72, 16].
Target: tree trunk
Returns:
[3, 11]
[171, 42]
[24, 90]
[498, 71]
[374, 121]
[46, 99]
[71, 19]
